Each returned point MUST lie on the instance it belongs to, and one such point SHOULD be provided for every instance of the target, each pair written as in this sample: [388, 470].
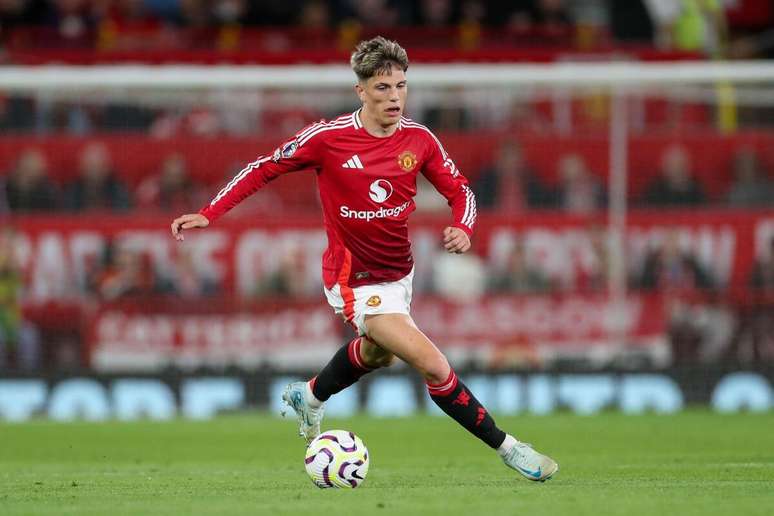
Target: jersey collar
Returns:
[359, 125]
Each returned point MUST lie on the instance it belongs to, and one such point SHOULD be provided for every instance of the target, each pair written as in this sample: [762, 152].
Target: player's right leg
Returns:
[353, 360]
[399, 334]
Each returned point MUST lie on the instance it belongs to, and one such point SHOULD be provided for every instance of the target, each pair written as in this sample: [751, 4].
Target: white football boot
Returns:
[309, 418]
[531, 464]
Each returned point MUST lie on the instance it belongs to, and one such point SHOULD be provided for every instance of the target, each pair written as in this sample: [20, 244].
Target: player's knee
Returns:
[435, 368]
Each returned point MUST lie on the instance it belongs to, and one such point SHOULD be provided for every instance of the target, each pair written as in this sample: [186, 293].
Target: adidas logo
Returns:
[353, 162]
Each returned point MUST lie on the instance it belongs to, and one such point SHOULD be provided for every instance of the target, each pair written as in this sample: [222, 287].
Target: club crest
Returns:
[407, 161]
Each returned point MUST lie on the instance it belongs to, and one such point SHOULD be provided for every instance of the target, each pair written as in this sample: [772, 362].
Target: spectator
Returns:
[276, 12]
[290, 279]
[97, 186]
[18, 13]
[593, 273]
[315, 14]
[19, 340]
[519, 276]
[17, 113]
[73, 21]
[676, 186]
[28, 187]
[753, 341]
[10, 308]
[690, 25]
[672, 269]
[192, 13]
[434, 13]
[374, 13]
[173, 189]
[449, 113]
[631, 21]
[762, 278]
[128, 14]
[167, 11]
[579, 191]
[230, 12]
[184, 279]
[509, 185]
[459, 278]
[126, 274]
[472, 15]
[751, 187]
[552, 16]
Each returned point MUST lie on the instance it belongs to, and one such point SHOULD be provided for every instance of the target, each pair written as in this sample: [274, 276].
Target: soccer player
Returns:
[366, 164]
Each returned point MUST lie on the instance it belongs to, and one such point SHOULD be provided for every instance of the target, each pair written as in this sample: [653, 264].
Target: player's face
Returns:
[384, 96]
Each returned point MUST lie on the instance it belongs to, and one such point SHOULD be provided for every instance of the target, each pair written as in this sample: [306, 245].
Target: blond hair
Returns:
[377, 56]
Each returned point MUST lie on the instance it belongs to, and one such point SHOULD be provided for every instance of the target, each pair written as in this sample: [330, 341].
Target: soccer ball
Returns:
[337, 458]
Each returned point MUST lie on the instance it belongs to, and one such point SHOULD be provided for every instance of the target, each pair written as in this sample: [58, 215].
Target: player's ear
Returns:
[360, 90]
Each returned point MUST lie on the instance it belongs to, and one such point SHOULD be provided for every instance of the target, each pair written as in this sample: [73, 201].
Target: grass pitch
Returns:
[694, 463]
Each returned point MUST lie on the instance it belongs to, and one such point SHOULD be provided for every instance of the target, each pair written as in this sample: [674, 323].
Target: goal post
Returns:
[615, 74]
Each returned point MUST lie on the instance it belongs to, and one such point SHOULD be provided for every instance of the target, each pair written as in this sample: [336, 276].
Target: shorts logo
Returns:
[407, 161]
[380, 190]
[374, 301]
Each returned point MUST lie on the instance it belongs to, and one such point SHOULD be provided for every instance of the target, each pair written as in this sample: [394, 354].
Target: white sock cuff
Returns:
[508, 443]
[310, 398]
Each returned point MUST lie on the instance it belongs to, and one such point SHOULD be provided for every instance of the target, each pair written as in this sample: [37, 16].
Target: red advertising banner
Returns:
[138, 337]
[238, 326]
[497, 332]
[59, 253]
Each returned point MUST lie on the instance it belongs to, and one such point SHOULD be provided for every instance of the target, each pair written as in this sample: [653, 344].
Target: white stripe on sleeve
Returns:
[239, 177]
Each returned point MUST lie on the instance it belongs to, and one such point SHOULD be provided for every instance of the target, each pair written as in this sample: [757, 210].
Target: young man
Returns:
[366, 164]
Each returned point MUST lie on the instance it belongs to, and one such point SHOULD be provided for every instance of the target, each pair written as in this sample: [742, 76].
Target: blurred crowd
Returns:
[507, 185]
[96, 186]
[693, 25]
[510, 185]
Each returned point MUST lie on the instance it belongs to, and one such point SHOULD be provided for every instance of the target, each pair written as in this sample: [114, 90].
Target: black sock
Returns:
[456, 400]
[345, 368]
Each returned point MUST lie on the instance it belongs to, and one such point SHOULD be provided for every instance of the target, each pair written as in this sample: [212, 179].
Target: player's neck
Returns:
[374, 128]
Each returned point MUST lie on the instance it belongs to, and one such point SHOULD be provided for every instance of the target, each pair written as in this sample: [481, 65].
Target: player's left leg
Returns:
[398, 334]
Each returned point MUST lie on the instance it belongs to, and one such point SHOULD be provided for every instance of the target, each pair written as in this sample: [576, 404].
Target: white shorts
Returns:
[353, 304]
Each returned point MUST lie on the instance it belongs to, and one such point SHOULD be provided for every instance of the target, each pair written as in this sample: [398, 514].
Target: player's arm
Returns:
[296, 154]
[441, 171]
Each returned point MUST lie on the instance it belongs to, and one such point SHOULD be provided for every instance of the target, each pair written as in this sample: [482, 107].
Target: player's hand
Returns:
[455, 240]
[189, 221]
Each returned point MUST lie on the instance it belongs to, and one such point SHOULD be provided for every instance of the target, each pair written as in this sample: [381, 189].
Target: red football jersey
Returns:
[367, 186]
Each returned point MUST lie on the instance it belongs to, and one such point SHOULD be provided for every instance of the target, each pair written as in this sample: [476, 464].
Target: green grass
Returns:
[693, 463]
